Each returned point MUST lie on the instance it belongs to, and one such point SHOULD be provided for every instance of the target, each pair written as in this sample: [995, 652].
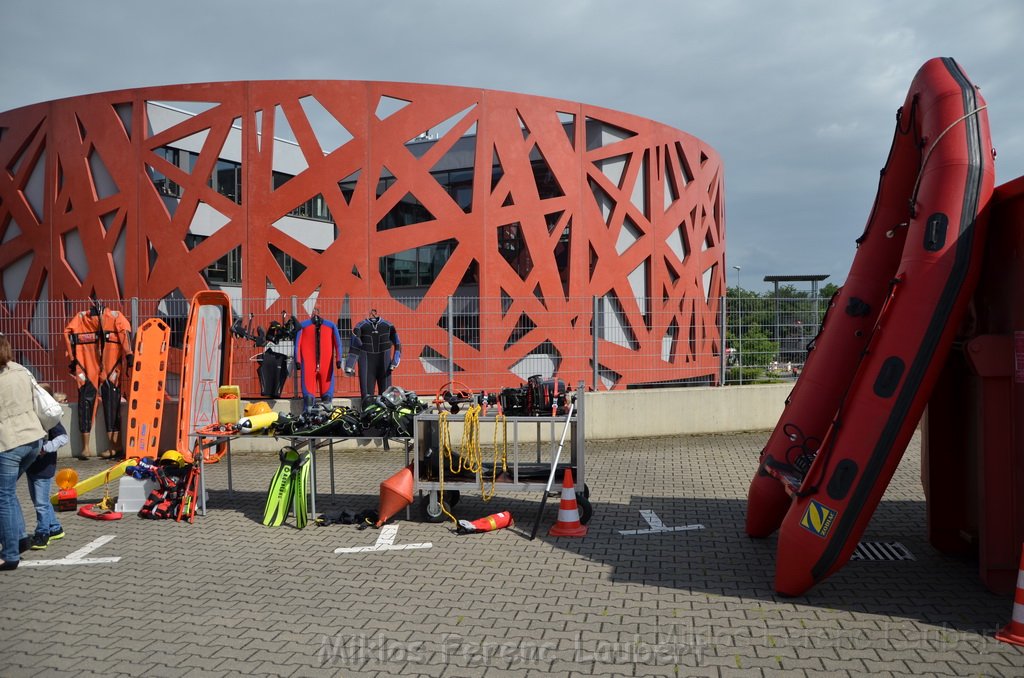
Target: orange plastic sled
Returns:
[206, 365]
[147, 390]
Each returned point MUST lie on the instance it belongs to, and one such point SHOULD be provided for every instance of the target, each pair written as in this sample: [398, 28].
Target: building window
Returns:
[459, 185]
[226, 270]
[512, 247]
[417, 267]
[315, 208]
[291, 267]
[227, 180]
[165, 186]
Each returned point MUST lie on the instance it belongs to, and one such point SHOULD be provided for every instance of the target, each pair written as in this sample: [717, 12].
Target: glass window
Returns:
[291, 267]
[163, 185]
[407, 211]
[227, 269]
[227, 180]
[417, 267]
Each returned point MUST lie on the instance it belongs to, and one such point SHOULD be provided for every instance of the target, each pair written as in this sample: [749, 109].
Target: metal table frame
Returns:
[575, 444]
[312, 443]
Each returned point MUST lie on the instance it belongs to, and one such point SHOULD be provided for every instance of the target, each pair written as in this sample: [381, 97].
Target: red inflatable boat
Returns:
[844, 334]
[880, 397]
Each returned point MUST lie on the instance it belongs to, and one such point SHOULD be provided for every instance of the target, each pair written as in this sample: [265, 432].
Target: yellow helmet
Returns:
[258, 407]
[173, 456]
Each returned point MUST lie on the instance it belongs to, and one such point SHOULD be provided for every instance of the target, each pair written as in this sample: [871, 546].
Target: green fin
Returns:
[280, 493]
[300, 491]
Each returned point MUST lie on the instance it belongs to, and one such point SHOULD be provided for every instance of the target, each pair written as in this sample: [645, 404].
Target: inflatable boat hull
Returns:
[844, 334]
[936, 276]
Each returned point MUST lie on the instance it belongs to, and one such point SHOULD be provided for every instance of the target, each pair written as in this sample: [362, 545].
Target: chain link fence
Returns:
[481, 344]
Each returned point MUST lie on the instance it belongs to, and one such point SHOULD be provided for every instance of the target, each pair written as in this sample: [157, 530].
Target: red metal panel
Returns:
[109, 134]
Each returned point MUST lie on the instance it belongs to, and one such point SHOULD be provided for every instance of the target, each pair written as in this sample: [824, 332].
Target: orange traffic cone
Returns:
[1014, 631]
[395, 494]
[568, 524]
[495, 521]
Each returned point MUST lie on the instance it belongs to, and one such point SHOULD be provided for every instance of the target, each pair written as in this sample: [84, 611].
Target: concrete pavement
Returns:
[228, 596]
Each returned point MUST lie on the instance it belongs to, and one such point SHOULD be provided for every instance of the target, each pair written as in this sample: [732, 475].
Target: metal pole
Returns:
[594, 335]
[740, 306]
[723, 358]
[451, 343]
[554, 468]
[776, 335]
[134, 305]
[296, 391]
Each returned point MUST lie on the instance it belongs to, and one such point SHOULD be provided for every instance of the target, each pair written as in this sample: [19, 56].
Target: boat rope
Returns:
[470, 453]
[928, 154]
[820, 466]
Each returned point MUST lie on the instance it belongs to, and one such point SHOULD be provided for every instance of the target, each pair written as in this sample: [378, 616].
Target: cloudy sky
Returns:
[799, 97]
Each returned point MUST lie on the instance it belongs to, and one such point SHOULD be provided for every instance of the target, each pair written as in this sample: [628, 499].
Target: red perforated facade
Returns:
[538, 204]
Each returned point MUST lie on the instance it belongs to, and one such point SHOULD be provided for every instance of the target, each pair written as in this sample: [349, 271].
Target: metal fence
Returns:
[483, 343]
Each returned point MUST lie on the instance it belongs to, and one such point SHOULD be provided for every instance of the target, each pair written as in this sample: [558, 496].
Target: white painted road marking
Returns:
[385, 542]
[78, 557]
[657, 526]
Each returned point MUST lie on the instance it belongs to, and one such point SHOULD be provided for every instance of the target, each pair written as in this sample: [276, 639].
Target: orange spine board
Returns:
[206, 365]
[147, 389]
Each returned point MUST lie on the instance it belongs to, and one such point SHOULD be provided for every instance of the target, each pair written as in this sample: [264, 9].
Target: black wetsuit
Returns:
[372, 342]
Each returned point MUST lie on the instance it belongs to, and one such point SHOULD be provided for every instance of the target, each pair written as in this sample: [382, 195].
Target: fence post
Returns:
[594, 335]
[723, 357]
[296, 391]
[451, 341]
[134, 305]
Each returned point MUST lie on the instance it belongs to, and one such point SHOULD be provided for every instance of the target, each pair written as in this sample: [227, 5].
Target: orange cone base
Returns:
[560, 530]
[1007, 635]
[395, 494]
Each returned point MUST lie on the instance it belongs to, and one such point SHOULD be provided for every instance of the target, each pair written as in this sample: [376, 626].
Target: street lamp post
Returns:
[738, 268]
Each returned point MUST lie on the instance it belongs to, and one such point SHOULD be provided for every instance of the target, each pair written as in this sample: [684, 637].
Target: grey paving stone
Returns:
[279, 601]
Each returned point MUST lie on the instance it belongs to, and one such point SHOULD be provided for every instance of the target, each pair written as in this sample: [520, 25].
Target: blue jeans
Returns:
[40, 490]
[13, 463]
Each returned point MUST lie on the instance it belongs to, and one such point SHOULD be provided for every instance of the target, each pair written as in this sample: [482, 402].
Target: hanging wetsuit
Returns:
[372, 342]
[317, 353]
[81, 338]
[115, 350]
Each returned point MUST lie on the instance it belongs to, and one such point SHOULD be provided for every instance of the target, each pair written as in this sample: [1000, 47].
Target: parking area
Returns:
[228, 596]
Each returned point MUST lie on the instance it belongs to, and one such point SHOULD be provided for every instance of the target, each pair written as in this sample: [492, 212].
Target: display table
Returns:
[523, 475]
[312, 444]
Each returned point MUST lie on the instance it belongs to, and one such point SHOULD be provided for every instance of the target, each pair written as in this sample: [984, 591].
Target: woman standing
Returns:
[21, 438]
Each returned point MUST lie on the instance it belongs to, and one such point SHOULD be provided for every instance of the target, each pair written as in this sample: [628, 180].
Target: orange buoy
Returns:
[395, 494]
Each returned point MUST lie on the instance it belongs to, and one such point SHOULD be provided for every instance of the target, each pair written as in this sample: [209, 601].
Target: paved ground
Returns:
[227, 596]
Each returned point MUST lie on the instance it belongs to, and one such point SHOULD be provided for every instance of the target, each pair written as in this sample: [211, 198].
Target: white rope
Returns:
[924, 163]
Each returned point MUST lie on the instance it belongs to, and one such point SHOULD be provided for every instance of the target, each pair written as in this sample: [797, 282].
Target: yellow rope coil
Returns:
[470, 453]
[498, 420]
